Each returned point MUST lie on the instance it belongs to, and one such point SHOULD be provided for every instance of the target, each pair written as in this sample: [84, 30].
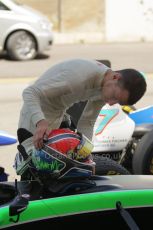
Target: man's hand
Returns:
[40, 134]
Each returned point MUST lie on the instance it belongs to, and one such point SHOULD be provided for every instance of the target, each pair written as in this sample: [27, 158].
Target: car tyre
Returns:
[142, 162]
[21, 46]
[107, 166]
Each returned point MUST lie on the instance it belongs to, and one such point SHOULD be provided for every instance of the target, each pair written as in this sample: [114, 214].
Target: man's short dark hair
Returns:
[133, 81]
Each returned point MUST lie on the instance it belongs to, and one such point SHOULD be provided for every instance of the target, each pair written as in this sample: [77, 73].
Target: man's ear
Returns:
[116, 76]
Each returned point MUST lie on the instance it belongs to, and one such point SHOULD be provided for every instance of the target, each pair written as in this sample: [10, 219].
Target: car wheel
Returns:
[21, 46]
[107, 166]
[142, 161]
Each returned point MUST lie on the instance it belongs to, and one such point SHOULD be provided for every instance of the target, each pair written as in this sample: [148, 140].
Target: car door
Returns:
[9, 22]
[3, 15]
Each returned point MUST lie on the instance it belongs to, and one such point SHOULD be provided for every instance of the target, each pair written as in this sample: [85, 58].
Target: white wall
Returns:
[129, 20]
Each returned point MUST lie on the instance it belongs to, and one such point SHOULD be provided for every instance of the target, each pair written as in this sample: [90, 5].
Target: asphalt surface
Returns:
[121, 55]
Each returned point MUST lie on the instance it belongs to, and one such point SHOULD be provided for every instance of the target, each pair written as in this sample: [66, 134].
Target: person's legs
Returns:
[23, 134]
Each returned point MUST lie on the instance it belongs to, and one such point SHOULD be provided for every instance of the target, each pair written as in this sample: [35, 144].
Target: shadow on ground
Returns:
[4, 56]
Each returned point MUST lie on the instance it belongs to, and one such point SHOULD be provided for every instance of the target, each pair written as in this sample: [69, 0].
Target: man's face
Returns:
[113, 92]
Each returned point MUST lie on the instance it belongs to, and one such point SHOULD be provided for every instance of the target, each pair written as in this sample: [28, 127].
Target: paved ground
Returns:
[121, 55]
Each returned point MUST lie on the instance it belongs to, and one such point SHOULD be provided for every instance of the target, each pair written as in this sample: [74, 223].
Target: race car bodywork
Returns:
[97, 200]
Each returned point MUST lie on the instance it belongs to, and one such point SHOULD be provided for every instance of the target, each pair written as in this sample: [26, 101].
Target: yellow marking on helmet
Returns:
[127, 108]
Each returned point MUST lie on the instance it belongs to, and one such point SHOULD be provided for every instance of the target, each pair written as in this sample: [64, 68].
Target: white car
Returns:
[24, 32]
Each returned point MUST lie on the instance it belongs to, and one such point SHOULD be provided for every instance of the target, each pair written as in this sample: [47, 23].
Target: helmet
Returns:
[65, 154]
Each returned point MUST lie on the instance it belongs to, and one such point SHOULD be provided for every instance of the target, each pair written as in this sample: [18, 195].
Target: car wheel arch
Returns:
[14, 31]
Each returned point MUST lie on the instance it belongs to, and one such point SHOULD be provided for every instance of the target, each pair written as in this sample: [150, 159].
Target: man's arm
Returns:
[41, 133]
[31, 97]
